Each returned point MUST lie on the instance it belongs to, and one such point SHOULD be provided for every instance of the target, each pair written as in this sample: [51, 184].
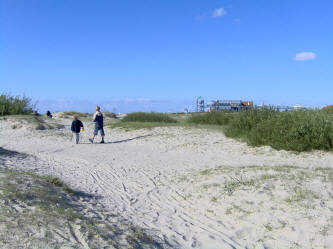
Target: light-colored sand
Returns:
[191, 184]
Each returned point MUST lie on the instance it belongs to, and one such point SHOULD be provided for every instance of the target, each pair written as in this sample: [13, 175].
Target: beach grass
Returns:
[297, 130]
[128, 126]
[149, 117]
[142, 120]
[211, 118]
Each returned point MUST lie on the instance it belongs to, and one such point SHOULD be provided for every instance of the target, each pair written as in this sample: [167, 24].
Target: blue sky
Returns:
[151, 55]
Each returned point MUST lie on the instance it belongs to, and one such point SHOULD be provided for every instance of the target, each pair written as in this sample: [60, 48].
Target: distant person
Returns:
[98, 119]
[76, 128]
[48, 114]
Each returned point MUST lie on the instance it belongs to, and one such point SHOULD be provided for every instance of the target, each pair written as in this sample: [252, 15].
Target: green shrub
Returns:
[300, 130]
[244, 121]
[297, 130]
[54, 181]
[10, 105]
[211, 118]
[148, 117]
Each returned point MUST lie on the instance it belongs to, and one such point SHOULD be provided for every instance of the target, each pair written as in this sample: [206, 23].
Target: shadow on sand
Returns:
[11, 153]
[129, 139]
[122, 141]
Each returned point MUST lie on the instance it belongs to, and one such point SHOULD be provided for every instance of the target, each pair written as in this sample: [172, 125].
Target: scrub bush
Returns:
[14, 105]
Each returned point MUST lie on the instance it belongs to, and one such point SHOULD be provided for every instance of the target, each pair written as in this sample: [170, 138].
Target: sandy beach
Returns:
[195, 187]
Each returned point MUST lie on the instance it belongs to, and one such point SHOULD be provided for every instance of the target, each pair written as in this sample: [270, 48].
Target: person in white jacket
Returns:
[98, 119]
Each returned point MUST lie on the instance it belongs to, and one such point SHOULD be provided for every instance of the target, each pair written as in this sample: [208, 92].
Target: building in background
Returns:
[223, 105]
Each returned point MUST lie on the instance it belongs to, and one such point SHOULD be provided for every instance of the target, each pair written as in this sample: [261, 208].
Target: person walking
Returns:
[76, 128]
[98, 119]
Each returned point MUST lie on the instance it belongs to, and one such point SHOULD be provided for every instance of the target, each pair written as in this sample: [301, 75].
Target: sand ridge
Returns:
[148, 176]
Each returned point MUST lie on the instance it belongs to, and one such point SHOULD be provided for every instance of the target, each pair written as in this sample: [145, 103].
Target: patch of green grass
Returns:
[142, 120]
[213, 199]
[54, 180]
[211, 118]
[268, 227]
[231, 186]
[58, 183]
[13, 127]
[128, 126]
[303, 176]
[148, 117]
[325, 173]
[301, 194]
[240, 209]
[206, 172]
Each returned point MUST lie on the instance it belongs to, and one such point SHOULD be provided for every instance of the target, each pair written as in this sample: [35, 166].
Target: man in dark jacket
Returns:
[98, 120]
[76, 128]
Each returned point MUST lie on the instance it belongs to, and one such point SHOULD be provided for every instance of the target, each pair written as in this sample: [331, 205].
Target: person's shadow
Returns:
[122, 141]
[129, 139]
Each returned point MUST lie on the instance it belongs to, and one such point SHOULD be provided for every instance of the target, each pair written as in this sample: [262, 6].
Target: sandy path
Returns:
[134, 171]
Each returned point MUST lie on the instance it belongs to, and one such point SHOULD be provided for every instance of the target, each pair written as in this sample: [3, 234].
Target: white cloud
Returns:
[305, 56]
[219, 12]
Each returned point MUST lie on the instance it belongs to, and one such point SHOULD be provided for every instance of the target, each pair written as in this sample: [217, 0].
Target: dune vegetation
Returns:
[297, 130]
[148, 117]
[13, 105]
[143, 120]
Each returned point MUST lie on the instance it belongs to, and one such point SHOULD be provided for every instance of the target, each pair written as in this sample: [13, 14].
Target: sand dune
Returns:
[196, 187]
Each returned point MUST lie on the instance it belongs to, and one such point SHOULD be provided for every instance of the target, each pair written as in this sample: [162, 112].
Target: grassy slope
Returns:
[44, 213]
[299, 130]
